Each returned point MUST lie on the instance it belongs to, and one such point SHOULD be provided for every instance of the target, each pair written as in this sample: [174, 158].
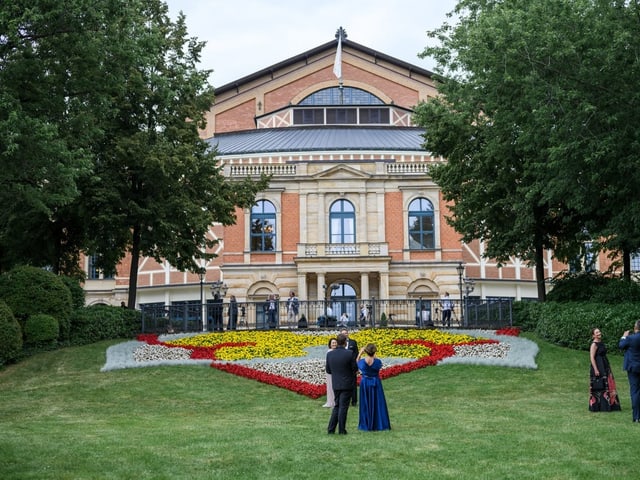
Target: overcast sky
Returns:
[244, 36]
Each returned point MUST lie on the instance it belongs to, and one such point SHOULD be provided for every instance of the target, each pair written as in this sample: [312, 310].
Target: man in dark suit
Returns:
[341, 365]
[353, 346]
[631, 363]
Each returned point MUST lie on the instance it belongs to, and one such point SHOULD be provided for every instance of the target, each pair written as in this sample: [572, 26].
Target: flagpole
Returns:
[337, 64]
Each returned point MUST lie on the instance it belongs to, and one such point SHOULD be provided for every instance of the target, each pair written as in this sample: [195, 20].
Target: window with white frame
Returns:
[263, 227]
[421, 225]
[342, 222]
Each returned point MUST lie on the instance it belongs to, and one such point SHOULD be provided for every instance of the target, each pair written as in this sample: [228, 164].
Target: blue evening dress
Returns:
[374, 414]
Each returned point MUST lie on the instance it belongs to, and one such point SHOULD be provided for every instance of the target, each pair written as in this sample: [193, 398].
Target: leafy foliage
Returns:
[100, 108]
[595, 287]
[52, 102]
[10, 335]
[30, 291]
[41, 332]
[77, 292]
[103, 322]
[534, 149]
[524, 315]
[157, 186]
[575, 287]
[570, 324]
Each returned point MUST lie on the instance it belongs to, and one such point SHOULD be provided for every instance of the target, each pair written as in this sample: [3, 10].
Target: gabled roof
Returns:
[308, 139]
[329, 46]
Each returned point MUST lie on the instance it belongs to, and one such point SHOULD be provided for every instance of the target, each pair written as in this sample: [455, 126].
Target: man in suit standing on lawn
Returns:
[631, 346]
[341, 365]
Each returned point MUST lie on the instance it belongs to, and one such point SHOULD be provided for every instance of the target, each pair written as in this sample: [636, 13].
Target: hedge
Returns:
[570, 324]
[103, 322]
[10, 335]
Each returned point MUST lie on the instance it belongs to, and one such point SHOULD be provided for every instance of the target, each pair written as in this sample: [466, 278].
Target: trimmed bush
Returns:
[103, 322]
[524, 315]
[570, 324]
[10, 335]
[30, 290]
[77, 292]
[41, 332]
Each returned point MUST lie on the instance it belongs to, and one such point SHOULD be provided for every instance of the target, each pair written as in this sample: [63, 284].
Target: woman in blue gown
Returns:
[374, 414]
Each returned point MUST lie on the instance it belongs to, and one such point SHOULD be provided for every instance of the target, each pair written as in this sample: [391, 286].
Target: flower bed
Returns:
[295, 360]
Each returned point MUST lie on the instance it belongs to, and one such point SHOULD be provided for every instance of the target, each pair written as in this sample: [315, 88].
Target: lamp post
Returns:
[469, 285]
[324, 301]
[220, 288]
[202, 274]
[460, 269]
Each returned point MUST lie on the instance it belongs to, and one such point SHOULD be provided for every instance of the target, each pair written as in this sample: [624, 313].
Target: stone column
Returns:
[364, 285]
[320, 285]
[383, 288]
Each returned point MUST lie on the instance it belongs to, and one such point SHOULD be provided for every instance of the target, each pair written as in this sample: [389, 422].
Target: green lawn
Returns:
[61, 418]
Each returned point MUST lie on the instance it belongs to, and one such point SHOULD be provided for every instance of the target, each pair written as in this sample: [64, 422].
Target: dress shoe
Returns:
[342, 433]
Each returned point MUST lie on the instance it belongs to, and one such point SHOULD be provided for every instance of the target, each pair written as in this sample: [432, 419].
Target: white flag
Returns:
[337, 64]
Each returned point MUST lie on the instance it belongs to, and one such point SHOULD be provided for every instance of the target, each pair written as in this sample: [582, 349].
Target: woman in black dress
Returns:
[603, 396]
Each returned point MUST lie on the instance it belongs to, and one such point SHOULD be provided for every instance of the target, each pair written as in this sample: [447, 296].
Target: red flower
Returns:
[512, 331]
[149, 338]
[437, 352]
[297, 386]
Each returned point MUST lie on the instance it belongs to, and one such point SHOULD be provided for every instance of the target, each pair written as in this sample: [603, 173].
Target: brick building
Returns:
[351, 211]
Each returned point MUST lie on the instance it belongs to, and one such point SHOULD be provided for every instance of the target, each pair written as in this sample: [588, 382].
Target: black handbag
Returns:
[599, 383]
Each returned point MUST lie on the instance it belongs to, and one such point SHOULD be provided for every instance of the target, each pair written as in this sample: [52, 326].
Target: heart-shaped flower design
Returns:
[282, 357]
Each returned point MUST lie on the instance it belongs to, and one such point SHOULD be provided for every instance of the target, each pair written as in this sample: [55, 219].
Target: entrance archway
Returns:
[343, 299]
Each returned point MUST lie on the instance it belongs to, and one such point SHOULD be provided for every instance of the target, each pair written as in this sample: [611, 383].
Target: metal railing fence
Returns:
[372, 313]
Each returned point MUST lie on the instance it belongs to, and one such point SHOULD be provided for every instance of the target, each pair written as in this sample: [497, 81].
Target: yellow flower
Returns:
[249, 344]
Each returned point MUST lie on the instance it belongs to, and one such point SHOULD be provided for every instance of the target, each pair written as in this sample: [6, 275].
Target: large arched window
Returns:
[341, 106]
[263, 227]
[342, 222]
[421, 229]
[341, 96]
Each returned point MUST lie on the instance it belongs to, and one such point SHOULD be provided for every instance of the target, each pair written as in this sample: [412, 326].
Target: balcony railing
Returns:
[342, 249]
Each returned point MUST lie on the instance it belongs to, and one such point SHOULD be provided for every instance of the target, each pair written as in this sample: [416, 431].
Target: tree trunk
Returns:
[540, 277]
[133, 269]
[626, 264]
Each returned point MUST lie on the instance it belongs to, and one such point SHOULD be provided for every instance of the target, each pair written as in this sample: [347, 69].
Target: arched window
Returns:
[341, 96]
[342, 222]
[341, 106]
[421, 229]
[263, 227]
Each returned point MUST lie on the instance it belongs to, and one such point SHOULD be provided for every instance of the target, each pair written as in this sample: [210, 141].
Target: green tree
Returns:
[100, 105]
[48, 73]
[599, 142]
[157, 186]
[513, 122]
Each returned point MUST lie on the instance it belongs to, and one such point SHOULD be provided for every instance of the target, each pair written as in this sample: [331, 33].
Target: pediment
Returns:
[340, 172]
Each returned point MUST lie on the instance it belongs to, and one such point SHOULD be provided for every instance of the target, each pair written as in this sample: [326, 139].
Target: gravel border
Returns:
[521, 354]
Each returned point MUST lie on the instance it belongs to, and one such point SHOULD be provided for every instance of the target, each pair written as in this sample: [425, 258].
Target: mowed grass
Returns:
[61, 418]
